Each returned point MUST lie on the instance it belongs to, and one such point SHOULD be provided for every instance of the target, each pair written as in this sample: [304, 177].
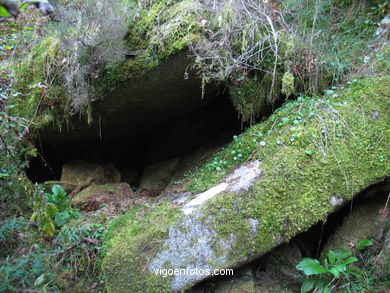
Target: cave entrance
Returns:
[150, 118]
[201, 130]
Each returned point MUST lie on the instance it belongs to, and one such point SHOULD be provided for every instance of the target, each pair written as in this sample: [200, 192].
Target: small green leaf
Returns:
[39, 281]
[4, 175]
[74, 214]
[310, 267]
[4, 12]
[331, 257]
[309, 152]
[34, 216]
[48, 227]
[51, 210]
[350, 260]
[61, 218]
[308, 285]
[23, 5]
[363, 244]
[337, 269]
[57, 189]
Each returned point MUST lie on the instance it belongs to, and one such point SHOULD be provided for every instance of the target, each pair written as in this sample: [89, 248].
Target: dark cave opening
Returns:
[209, 127]
[148, 119]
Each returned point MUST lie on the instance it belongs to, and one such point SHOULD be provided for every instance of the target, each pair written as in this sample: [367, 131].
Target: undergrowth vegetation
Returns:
[344, 270]
[68, 260]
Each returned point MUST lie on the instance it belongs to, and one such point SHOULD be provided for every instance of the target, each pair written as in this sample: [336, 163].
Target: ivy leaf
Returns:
[310, 267]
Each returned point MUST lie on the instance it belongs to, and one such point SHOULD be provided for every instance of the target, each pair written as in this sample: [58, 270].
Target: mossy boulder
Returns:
[111, 174]
[274, 181]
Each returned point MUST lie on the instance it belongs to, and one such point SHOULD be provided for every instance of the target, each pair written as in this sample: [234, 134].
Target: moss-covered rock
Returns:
[309, 158]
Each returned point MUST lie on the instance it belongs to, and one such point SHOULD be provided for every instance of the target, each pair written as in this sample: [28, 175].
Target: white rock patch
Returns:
[336, 201]
[203, 197]
[241, 179]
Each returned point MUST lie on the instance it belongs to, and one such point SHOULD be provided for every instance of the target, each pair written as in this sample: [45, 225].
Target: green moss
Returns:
[162, 29]
[323, 129]
[310, 150]
[40, 99]
[248, 99]
[131, 242]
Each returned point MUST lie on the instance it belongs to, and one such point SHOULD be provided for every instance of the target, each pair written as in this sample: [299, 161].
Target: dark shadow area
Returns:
[212, 126]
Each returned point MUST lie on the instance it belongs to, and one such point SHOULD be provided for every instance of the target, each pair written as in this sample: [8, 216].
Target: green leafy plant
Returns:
[24, 272]
[52, 210]
[9, 234]
[332, 272]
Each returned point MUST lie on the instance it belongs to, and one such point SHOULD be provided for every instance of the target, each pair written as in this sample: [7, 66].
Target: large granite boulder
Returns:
[303, 163]
[79, 172]
[93, 196]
